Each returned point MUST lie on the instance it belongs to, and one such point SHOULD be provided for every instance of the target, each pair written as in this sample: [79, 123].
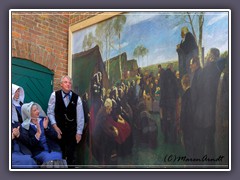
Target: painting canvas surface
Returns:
[155, 90]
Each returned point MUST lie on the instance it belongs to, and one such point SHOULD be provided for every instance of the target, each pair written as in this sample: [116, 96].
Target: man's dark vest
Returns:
[66, 117]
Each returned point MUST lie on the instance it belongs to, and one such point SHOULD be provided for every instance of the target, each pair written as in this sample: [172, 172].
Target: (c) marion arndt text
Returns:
[175, 158]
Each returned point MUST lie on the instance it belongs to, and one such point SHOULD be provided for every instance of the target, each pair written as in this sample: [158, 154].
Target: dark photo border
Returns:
[4, 89]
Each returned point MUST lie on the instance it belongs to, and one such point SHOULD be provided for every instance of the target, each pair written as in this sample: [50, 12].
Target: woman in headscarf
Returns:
[104, 134]
[42, 136]
[17, 101]
[21, 155]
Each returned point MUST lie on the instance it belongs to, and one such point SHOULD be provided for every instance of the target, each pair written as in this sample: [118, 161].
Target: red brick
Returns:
[14, 53]
[43, 37]
[16, 34]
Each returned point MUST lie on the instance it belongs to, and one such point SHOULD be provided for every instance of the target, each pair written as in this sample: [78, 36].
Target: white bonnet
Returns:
[26, 113]
[108, 102]
[21, 95]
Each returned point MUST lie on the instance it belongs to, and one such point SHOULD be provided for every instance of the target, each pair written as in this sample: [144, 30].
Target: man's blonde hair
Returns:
[185, 29]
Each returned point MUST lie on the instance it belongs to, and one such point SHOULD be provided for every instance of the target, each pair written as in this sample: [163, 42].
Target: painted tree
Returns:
[88, 41]
[140, 51]
[104, 36]
[118, 25]
[200, 19]
[200, 50]
[224, 54]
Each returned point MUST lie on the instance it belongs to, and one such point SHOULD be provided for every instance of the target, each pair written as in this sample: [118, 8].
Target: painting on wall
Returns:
[155, 89]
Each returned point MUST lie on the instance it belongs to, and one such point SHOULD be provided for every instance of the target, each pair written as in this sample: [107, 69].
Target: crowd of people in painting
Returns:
[109, 122]
[186, 107]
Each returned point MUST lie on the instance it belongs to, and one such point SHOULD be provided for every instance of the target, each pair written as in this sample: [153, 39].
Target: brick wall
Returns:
[42, 37]
[76, 17]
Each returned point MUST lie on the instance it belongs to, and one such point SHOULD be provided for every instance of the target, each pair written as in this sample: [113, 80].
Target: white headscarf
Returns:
[16, 102]
[21, 94]
[108, 102]
[26, 113]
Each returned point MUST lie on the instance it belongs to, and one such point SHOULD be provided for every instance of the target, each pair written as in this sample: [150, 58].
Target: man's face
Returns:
[66, 85]
[184, 87]
[209, 57]
[182, 34]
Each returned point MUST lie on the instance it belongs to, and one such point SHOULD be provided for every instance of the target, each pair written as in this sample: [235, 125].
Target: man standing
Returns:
[186, 50]
[195, 81]
[65, 112]
[205, 113]
[168, 100]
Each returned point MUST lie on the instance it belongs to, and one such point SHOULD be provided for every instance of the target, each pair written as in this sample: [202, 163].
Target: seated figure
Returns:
[43, 138]
[21, 155]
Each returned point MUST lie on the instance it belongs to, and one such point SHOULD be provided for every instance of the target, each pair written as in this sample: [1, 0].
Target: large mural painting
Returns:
[155, 90]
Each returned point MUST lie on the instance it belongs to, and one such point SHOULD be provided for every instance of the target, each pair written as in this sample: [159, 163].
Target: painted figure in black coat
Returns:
[222, 117]
[205, 113]
[168, 103]
[186, 50]
[196, 71]
[96, 98]
[186, 120]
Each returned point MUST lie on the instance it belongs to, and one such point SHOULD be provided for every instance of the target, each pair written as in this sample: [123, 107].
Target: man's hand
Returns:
[78, 138]
[59, 132]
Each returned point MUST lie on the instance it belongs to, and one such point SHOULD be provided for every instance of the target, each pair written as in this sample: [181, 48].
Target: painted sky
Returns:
[159, 32]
